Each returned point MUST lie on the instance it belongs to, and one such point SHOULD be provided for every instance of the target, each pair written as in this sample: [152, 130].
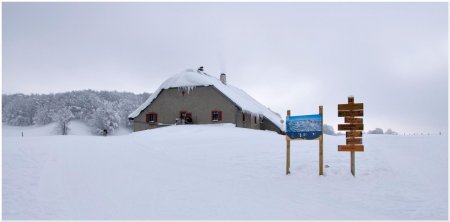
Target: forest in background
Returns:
[99, 109]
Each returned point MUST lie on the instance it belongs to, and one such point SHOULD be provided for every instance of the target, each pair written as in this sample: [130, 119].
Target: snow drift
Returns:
[221, 172]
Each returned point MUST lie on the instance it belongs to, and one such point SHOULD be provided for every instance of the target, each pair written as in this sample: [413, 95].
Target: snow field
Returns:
[76, 127]
[221, 172]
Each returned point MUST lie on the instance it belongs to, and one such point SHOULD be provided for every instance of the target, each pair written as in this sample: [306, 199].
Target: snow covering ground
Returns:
[220, 172]
[75, 128]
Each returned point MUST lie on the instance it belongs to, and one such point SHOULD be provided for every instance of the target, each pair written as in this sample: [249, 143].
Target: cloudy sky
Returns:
[390, 56]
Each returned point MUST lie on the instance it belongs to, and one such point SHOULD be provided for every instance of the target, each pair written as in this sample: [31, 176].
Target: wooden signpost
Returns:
[309, 127]
[354, 127]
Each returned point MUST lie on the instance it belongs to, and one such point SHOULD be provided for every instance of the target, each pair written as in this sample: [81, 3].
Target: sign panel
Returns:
[353, 120]
[352, 106]
[353, 140]
[353, 134]
[308, 127]
[359, 148]
[350, 113]
[350, 126]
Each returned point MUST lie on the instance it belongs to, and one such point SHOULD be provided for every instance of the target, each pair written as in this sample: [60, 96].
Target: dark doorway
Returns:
[185, 117]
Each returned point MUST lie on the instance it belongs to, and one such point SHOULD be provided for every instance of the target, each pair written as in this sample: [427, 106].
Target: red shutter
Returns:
[147, 118]
[212, 115]
[155, 117]
[243, 117]
[220, 115]
[254, 118]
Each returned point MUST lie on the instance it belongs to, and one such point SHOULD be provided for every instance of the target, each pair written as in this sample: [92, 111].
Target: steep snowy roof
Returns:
[190, 79]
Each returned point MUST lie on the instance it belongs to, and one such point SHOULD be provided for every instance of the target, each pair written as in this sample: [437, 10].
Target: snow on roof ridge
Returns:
[189, 79]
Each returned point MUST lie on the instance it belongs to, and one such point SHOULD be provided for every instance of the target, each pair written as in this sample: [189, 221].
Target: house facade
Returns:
[193, 97]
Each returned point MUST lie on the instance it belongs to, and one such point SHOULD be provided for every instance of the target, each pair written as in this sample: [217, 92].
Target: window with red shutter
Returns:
[151, 118]
[216, 116]
[188, 118]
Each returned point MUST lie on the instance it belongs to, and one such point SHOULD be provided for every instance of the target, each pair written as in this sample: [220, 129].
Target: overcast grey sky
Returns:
[391, 56]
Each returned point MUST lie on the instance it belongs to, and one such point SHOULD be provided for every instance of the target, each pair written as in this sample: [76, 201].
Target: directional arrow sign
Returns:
[353, 140]
[350, 107]
[350, 127]
[353, 134]
[353, 120]
[350, 113]
[359, 148]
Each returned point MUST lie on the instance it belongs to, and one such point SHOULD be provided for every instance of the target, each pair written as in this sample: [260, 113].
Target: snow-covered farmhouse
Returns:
[194, 97]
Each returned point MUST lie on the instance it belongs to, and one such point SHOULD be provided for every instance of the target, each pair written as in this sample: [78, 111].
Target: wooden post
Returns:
[321, 144]
[352, 162]
[351, 100]
[288, 149]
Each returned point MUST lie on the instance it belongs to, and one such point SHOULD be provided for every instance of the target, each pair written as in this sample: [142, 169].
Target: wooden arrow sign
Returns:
[353, 140]
[346, 127]
[353, 134]
[358, 148]
[350, 113]
[350, 107]
[353, 120]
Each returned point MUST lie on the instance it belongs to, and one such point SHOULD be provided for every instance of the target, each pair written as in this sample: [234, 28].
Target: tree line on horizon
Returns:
[329, 130]
[99, 109]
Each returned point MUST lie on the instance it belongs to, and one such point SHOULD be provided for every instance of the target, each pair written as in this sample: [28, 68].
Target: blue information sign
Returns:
[308, 127]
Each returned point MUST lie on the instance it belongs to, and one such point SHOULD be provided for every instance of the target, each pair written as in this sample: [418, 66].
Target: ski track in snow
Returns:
[221, 172]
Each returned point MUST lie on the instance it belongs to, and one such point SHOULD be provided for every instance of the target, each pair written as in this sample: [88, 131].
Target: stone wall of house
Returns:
[200, 102]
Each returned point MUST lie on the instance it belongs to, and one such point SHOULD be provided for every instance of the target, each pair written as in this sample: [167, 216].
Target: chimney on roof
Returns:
[223, 78]
[200, 69]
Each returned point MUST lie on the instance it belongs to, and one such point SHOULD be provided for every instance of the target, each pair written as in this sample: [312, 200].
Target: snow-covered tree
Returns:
[22, 110]
[106, 118]
[327, 129]
[62, 117]
[375, 131]
[43, 116]
[19, 111]
[390, 132]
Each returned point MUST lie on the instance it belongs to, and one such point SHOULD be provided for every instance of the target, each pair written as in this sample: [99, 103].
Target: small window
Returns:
[216, 116]
[254, 119]
[243, 117]
[152, 118]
